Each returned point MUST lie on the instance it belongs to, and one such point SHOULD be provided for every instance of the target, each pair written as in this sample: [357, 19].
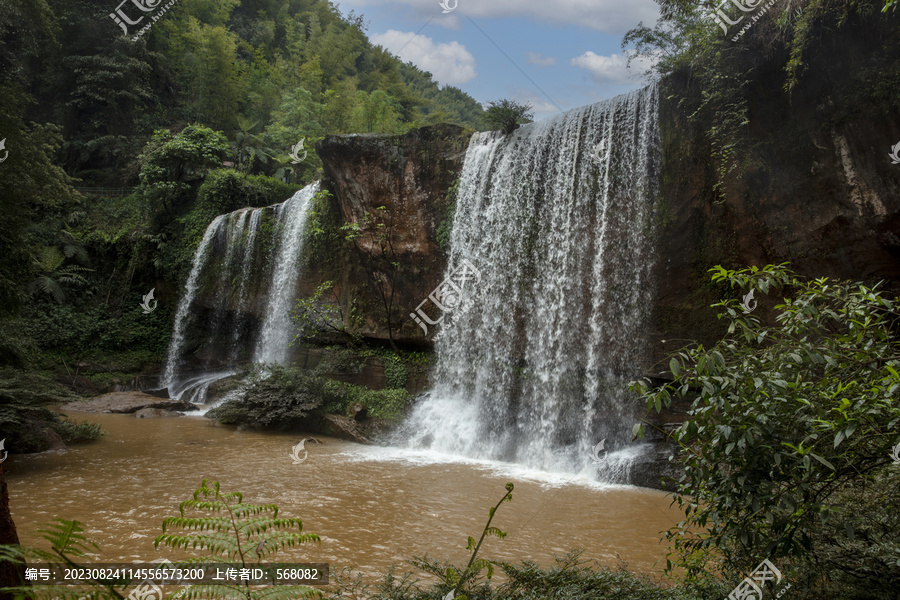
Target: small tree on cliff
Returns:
[380, 259]
[507, 115]
[788, 445]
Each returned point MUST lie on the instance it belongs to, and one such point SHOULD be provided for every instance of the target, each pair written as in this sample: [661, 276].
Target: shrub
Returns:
[785, 421]
[24, 416]
[274, 396]
[507, 115]
[77, 432]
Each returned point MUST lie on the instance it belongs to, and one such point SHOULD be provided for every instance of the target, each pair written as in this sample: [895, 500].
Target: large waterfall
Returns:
[556, 220]
[245, 265]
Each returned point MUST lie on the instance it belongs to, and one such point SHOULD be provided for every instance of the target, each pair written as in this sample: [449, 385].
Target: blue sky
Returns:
[569, 50]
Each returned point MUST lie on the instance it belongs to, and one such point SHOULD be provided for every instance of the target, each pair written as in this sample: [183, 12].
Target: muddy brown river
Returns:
[372, 506]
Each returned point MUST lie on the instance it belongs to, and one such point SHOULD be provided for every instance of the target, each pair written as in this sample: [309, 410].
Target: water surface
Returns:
[372, 506]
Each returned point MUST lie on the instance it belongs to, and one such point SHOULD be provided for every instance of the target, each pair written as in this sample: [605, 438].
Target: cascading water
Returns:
[557, 219]
[246, 264]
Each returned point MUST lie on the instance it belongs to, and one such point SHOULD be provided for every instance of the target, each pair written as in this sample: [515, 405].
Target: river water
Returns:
[372, 506]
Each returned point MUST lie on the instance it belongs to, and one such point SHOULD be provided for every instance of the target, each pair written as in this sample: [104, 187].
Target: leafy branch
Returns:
[476, 565]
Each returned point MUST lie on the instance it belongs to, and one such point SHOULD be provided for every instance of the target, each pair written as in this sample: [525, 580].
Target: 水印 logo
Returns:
[146, 303]
[895, 154]
[295, 455]
[3, 147]
[445, 4]
[748, 308]
[3, 450]
[895, 454]
[295, 152]
[595, 453]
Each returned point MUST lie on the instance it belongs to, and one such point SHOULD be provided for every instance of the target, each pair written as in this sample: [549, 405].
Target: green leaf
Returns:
[637, 431]
[822, 460]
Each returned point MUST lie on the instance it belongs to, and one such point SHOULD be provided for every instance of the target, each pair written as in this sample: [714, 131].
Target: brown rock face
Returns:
[395, 189]
[815, 187]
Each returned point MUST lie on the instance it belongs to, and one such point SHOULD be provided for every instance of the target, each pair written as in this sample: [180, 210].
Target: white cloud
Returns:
[610, 16]
[536, 58]
[450, 64]
[612, 68]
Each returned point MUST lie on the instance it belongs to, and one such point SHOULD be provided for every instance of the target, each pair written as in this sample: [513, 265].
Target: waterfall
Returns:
[238, 296]
[272, 346]
[556, 219]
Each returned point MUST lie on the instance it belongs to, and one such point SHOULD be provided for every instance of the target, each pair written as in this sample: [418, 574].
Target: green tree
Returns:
[382, 267]
[507, 115]
[790, 413]
[375, 112]
[321, 313]
[173, 165]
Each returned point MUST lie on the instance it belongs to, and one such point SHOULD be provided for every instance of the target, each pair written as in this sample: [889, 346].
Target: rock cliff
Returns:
[396, 191]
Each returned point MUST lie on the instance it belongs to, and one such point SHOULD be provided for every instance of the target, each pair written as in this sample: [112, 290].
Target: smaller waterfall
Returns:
[238, 296]
[272, 346]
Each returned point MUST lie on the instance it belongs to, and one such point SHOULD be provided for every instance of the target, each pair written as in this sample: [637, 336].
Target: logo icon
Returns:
[146, 303]
[445, 4]
[752, 586]
[3, 441]
[449, 595]
[146, 591]
[722, 17]
[895, 454]
[295, 455]
[595, 455]
[3, 147]
[295, 152]
[121, 18]
[746, 303]
[895, 154]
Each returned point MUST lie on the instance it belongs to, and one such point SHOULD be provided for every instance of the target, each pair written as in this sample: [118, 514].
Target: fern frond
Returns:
[242, 510]
[479, 564]
[219, 544]
[66, 538]
[47, 285]
[494, 531]
[202, 505]
[263, 522]
[285, 592]
[198, 523]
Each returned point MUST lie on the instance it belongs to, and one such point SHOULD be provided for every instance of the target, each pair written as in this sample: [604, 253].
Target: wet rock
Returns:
[155, 413]
[126, 402]
[368, 431]
[343, 428]
[36, 436]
